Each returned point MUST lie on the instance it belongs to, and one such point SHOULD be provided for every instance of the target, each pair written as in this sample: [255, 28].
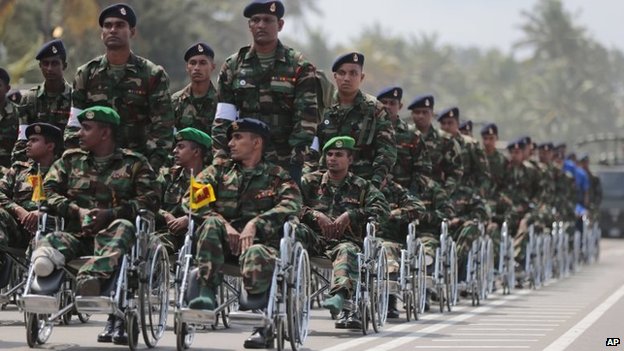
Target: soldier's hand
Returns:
[247, 236]
[326, 225]
[340, 224]
[30, 221]
[169, 218]
[396, 213]
[100, 218]
[455, 222]
[178, 225]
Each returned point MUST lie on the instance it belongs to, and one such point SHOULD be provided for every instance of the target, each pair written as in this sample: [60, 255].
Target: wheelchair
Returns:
[480, 266]
[559, 250]
[546, 257]
[50, 299]
[445, 270]
[12, 275]
[590, 241]
[412, 284]
[533, 259]
[288, 305]
[139, 291]
[370, 298]
[506, 260]
[186, 320]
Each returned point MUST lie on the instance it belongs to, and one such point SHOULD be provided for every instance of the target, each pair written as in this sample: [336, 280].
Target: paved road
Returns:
[575, 313]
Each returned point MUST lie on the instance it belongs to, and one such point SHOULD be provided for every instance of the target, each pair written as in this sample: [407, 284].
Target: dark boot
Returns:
[261, 338]
[393, 311]
[341, 322]
[119, 332]
[334, 304]
[107, 334]
[354, 321]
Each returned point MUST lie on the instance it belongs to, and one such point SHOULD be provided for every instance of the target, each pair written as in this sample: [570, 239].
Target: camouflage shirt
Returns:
[353, 195]
[413, 161]
[446, 162]
[9, 115]
[37, 105]
[265, 193]
[518, 185]
[282, 95]
[125, 184]
[195, 112]
[15, 190]
[476, 174]
[141, 97]
[498, 163]
[175, 182]
[404, 208]
[367, 122]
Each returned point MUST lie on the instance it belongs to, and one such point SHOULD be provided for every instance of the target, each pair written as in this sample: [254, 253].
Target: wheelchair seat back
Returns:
[48, 285]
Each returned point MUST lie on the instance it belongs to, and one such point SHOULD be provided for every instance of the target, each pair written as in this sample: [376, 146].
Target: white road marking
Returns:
[573, 333]
[478, 347]
[484, 340]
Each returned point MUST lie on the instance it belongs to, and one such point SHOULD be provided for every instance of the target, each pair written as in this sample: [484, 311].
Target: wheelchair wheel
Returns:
[298, 299]
[381, 289]
[132, 329]
[66, 300]
[184, 335]
[365, 314]
[452, 283]
[38, 328]
[440, 278]
[420, 288]
[406, 279]
[280, 334]
[83, 317]
[154, 297]
[224, 295]
[488, 268]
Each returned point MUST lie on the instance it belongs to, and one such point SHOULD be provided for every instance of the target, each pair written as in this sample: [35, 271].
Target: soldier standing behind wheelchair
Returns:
[99, 191]
[336, 205]
[254, 198]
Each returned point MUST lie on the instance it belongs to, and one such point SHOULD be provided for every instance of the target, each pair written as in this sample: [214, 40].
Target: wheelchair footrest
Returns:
[95, 304]
[249, 319]
[192, 316]
[40, 303]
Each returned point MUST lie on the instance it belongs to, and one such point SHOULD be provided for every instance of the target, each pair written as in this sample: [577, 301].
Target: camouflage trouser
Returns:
[464, 236]
[11, 233]
[107, 247]
[257, 263]
[393, 253]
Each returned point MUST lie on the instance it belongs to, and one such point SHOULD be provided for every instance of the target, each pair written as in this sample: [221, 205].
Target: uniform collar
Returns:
[133, 64]
[346, 182]
[187, 95]
[66, 91]
[280, 52]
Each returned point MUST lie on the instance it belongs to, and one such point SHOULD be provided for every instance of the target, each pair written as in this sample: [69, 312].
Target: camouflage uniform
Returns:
[124, 184]
[355, 196]
[39, 106]
[404, 209]
[519, 189]
[445, 153]
[175, 182]
[196, 112]
[413, 162]
[15, 190]
[266, 194]
[439, 208]
[9, 115]
[141, 97]
[282, 95]
[476, 174]
[367, 122]
[498, 164]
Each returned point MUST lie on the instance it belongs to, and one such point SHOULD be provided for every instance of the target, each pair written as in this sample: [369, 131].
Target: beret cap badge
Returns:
[122, 11]
[90, 114]
[355, 58]
[272, 8]
[38, 129]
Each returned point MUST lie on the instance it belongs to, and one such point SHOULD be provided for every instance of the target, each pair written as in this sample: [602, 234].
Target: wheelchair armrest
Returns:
[143, 212]
[44, 209]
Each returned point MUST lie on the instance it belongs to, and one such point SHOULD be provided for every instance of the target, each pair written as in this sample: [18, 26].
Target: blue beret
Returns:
[52, 48]
[547, 146]
[526, 139]
[15, 96]
[45, 129]
[452, 112]
[4, 76]
[352, 57]
[466, 125]
[270, 7]
[198, 49]
[251, 125]
[390, 93]
[516, 144]
[422, 101]
[489, 129]
[123, 11]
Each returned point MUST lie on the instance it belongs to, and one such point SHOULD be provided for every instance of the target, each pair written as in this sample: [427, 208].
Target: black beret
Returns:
[251, 125]
[489, 129]
[15, 96]
[52, 48]
[452, 112]
[352, 57]
[516, 144]
[270, 7]
[560, 146]
[123, 11]
[198, 49]
[422, 101]
[527, 139]
[547, 146]
[45, 129]
[390, 93]
[466, 125]
[4, 76]
[584, 157]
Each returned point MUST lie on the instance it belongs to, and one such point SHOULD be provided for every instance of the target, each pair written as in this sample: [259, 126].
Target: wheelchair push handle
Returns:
[370, 227]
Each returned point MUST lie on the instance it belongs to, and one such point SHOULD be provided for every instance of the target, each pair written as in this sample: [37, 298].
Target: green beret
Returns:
[99, 114]
[340, 142]
[195, 135]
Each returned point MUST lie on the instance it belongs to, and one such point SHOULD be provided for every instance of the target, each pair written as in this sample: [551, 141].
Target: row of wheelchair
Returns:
[139, 293]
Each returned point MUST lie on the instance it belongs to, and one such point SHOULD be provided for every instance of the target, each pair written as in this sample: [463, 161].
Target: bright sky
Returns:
[482, 23]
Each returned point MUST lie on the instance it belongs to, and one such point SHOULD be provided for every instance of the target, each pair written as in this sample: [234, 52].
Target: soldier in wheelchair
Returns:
[253, 199]
[19, 214]
[336, 205]
[98, 190]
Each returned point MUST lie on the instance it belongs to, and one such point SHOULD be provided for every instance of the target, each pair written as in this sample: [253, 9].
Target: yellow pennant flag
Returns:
[201, 194]
[37, 185]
